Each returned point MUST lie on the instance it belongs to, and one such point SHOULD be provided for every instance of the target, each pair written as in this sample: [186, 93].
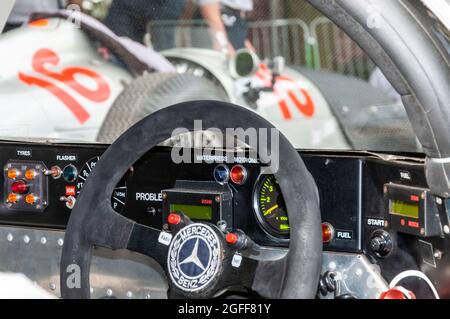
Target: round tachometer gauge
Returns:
[270, 207]
[119, 195]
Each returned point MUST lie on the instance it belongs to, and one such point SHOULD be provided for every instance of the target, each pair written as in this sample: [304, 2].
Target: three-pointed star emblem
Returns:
[193, 257]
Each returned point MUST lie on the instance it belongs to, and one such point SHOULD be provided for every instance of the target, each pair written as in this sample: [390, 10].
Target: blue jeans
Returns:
[129, 18]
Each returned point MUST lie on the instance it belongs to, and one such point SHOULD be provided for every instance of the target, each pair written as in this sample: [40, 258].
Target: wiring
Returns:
[413, 273]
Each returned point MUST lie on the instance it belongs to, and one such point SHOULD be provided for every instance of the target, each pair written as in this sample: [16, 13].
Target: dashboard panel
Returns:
[139, 195]
[350, 188]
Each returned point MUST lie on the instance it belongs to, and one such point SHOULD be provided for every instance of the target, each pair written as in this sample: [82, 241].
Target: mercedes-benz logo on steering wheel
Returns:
[194, 257]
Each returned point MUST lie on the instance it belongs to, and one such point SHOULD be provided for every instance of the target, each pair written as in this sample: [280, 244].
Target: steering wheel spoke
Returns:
[148, 241]
[118, 232]
[258, 272]
[114, 232]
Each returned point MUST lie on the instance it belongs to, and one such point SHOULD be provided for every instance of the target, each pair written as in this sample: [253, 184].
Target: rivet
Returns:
[52, 286]
[438, 254]
[332, 265]
[147, 296]
[129, 294]
[9, 237]
[60, 242]
[26, 239]
[43, 240]
[446, 229]
[109, 292]
[358, 272]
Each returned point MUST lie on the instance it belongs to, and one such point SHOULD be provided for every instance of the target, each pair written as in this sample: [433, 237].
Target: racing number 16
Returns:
[67, 76]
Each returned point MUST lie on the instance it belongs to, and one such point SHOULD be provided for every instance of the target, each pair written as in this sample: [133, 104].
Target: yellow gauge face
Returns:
[270, 207]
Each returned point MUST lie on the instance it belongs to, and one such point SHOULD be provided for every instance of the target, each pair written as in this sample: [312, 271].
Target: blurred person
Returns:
[24, 8]
[129, 18]
[234, 17]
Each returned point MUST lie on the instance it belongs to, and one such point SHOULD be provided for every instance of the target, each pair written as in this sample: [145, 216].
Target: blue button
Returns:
[221, 174]
[70, 173]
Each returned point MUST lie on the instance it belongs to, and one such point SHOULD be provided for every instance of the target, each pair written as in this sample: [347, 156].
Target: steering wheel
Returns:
[93, 222]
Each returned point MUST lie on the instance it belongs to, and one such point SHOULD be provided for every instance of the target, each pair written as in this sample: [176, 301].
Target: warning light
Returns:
[174, 219]
[13, 198]
[31, 199]
[327, 233]
[238, 174]
[30, 174]
[13, 173]
[231, 238]
[19, 187]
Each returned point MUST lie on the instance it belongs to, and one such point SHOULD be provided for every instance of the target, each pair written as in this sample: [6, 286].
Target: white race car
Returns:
[72, 78]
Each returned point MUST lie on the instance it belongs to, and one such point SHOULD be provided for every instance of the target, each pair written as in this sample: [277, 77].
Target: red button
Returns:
[232, 238]
[397, 293]
[327, 233]
[70, 191]
[174, 219]
[19, 187]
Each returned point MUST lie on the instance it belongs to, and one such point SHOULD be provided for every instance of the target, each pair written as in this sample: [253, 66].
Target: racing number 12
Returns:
[67, 76]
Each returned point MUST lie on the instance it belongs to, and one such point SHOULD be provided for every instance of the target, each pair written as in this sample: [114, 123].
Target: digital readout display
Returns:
[196, 212]
[405, 209]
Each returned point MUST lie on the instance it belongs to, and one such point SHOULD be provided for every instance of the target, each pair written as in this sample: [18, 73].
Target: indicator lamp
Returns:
[231, 238]
[221, 174]
[19, 187]
[31, 199]
[238, 174]
[13, 198]
[327, 233]
[13, 173]
[174, 219]
[30, 174]
[70, 173]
